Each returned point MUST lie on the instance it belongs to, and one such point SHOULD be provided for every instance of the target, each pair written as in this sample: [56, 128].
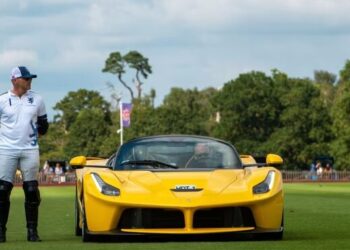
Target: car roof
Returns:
[177, 136]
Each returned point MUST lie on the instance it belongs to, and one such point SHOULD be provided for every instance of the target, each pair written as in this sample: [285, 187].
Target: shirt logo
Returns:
[30, 100]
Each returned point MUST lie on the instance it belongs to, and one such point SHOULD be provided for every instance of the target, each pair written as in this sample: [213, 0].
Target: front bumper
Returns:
[105, 216]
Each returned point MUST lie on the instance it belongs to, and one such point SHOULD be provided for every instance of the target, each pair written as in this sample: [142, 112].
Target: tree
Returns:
[262, 114]
[340, 113]
[345, 72]
[325, 81]
[325, 77]
[144, 119]
[76, 101]
[304, 129]
[112, 141]
[140, 63]
[152, 96]
[186, 112]
[249, 111]
[87, 133]
[115, 64]
[53, 143]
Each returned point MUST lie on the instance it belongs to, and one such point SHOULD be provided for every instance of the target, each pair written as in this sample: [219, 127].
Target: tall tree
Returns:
[116, 64]
[76, 101]
[137, 61]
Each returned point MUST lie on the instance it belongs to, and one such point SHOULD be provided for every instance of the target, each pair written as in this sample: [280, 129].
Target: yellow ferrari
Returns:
[178, 185]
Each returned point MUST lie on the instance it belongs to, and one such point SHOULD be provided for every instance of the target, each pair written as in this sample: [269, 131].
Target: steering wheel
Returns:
[201, 158]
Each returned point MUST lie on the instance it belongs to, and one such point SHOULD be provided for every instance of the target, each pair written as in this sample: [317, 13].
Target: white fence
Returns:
[307, 176]
[288, 176]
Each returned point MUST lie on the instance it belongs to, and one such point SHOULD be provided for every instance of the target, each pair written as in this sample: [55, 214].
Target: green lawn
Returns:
[317, 216]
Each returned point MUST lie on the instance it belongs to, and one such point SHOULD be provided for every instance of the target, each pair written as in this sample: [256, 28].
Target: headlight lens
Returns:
[103, 187]
[266, 185]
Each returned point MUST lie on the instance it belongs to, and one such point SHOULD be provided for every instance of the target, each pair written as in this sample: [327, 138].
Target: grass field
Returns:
[317, 216]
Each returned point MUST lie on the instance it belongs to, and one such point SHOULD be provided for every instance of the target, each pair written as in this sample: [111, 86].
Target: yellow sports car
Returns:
[178, 185]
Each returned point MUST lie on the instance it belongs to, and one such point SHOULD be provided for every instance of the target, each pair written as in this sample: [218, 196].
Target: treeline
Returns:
[298, 118]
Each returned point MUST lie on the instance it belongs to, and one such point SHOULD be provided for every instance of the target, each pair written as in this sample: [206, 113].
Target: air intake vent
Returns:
[151, 218]
[223, 217]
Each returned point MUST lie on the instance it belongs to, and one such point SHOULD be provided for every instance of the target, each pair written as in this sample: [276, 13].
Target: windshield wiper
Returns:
[153, 163]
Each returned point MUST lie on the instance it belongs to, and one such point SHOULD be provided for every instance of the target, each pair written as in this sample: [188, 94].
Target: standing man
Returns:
[22, 119]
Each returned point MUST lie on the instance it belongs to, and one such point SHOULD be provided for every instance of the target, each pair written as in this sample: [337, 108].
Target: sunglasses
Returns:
[27, 79]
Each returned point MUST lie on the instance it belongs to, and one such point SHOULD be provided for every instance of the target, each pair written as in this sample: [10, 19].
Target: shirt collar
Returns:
[11, 94]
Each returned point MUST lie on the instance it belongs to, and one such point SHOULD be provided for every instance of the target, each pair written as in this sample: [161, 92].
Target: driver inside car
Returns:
[200, 157]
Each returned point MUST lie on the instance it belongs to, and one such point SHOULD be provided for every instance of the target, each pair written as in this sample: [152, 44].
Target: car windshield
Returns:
[176, 152]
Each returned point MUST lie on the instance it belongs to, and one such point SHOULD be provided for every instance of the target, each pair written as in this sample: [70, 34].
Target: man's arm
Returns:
[43, 124]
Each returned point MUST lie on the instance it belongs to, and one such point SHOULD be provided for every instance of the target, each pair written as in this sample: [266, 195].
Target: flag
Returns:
[126, 114]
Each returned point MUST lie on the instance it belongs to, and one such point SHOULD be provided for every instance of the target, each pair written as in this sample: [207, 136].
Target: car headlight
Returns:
[266, 185]
[103, 187]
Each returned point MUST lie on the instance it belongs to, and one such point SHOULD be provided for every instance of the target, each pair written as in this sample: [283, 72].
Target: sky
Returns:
[189, 43]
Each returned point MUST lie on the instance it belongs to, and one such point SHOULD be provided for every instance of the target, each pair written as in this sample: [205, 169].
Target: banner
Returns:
[126, 114]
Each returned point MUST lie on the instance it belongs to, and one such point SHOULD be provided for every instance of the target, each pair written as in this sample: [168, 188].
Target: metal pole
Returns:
[121, 123]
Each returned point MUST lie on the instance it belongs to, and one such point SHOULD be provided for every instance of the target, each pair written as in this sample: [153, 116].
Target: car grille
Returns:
[223, 217]
[151, 218]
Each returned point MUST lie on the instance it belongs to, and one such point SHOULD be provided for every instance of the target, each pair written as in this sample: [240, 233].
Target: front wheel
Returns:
[85, 235]
[78, 230]
[85, 231]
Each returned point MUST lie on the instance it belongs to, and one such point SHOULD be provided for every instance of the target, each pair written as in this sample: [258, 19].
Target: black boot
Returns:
[32, 222]
[4, 213]
[2, 234]
[33, 234]
[31, 206]
[5, 191]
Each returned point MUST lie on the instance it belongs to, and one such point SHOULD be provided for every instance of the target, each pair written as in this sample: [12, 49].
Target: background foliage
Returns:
[298, 118]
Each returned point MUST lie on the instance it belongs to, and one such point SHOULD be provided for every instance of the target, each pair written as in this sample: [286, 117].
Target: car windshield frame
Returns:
[177, 153]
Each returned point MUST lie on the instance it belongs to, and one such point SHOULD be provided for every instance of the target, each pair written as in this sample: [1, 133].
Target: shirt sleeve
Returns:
[42, 123]
[41, 108]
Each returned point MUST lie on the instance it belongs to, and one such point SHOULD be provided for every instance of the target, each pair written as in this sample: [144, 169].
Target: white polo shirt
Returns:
[18, 120]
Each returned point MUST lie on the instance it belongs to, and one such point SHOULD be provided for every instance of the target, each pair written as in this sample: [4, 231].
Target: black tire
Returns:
[86, 237]
[78, 230]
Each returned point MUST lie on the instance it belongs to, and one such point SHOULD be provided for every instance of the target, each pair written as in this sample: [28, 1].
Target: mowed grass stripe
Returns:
[317, 217]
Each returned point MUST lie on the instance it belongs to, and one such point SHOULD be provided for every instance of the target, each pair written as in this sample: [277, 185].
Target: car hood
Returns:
[215, 181]
[182, 188]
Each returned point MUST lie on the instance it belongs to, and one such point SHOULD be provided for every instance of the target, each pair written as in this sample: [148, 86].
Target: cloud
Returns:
[189, 42]
[78, 53]
[160, 19]
[10, 58]
[267, 15]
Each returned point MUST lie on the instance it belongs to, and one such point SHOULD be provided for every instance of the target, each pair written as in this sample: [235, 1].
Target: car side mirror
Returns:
[78, 162]
[247, 160]
[274, 160]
